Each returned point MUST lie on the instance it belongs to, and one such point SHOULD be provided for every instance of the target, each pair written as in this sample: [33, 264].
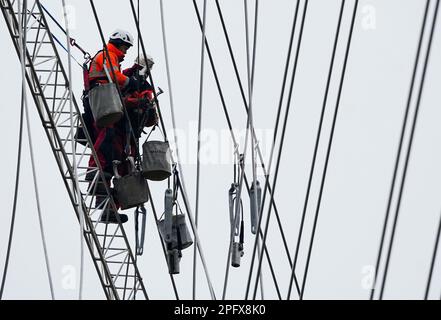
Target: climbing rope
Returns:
[70, 41]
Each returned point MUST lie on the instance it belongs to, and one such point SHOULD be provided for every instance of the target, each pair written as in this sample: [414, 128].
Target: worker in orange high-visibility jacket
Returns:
[112, 142]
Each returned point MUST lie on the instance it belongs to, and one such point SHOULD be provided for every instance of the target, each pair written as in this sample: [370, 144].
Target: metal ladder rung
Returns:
[53, 85]
[114, 249]
[46, 70]
[106, 235]
[118, 288]
[45, 57]
[67, 126]
[16, 12]
[124, 276]
[70, 140]
[63, 112]
[38, 42]
[116, 262]
[83, 181]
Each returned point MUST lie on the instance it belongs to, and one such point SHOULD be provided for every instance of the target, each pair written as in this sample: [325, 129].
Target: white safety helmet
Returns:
[122, 36]
[140, 60]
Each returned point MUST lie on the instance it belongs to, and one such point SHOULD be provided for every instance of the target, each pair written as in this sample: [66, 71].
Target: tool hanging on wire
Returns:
[173, 228]
[237, 226]
[140, 238]
[255, 192]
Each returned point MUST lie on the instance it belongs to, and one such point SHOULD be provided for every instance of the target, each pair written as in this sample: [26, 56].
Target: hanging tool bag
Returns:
[105, 104]
[156, 162]
[173, 228]
[179, 232]
[130, 190]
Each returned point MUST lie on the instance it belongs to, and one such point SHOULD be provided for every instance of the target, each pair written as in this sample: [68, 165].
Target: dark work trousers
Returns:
[110, 145]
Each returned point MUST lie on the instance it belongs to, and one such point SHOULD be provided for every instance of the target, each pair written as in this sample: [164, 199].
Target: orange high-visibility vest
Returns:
[97, 73]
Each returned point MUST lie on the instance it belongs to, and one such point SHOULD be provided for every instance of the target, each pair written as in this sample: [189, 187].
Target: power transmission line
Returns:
[198, 160]
[317, 143]
[400, 145]
[282, 140]
[328, 153]
[409, 149]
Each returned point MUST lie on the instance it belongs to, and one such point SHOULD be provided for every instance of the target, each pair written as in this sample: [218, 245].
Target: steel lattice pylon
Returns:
[48, 83]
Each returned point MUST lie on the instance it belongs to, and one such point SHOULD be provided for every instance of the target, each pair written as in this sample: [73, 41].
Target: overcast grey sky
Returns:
[360, 168]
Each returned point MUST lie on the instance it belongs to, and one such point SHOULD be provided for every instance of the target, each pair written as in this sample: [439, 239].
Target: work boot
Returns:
[111, 216]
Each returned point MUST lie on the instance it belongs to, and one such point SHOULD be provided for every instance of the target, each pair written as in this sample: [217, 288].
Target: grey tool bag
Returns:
[130, 190]
[156, 162]
[105, 104]
[173, 228]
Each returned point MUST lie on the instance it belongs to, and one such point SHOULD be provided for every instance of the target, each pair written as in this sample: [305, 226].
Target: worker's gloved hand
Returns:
[133, 84]
[152, 116]
[144, 103]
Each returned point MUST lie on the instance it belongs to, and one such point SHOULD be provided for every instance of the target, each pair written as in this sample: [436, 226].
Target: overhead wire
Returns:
[433, 260]
[24, 108]
[317, 142]
[54, 36]
[169, 82]
[250, 77]
[20, 141]
[253, 159]
[107, 55]
[221, 95]
[34, 173]
[282, 94]
[70, 42]
[136, 16]
[75, 183]
[409, 148]
[329, 148]
[198, 160]
[266, 171]
[182, 186]
[400, 147]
